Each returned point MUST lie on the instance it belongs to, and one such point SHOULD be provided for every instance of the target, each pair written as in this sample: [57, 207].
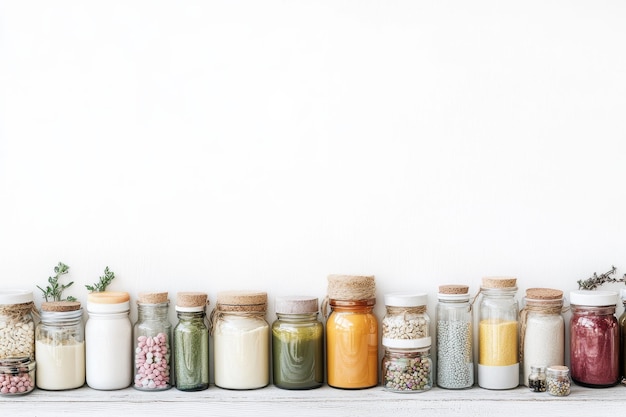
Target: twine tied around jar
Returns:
[242, 303]
[348, 288]
[542, 301]
[15, 311]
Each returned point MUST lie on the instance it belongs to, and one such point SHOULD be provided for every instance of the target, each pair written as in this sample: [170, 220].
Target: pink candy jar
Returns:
[152, 336]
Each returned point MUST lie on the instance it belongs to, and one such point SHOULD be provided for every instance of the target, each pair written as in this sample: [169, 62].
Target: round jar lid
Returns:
[499, 282]
[191, 301]
[419, 343]
[351, 287]
[593, 298]
[543, 294]
[15, 297]
[108, 302]
[399, 299]
[622, 294]
[453, 292]
[296, 305]
[60, 306]
[242, 298]
[152, 297]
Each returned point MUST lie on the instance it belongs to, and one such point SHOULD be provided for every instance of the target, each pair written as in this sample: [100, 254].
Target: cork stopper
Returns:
[152, 298]
[499, 282]
[191, 299]
[544, 294]
[242, 301]
[60, 306]
[296, 305]
[351, 287]
[108, 297]
[453, 289]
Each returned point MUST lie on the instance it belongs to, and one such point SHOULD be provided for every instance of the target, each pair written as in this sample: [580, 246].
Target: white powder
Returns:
[60, 366]
[544, 342]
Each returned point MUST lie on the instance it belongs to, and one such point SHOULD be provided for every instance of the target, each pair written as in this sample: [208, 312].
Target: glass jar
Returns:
[594, 338]
[455, 357]
[191, 342]
[351, 332]
[405, 319]
[622, 333]
[537, 379]
[542, 329]
[297, 344]
[60, 346]
[109, 341]
[152, 335]
[17, 376]
[408, 370]
[17, 328]
[498, 360]
[558, 380]
[241, 340]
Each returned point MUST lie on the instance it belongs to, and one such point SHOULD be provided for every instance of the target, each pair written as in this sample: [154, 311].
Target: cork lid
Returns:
[191, 301]
[453, 289]
[60, 306]
[296, 305]
[499, 282]
[543, 294]
[152, 298]
[108, 297]
[351, 287]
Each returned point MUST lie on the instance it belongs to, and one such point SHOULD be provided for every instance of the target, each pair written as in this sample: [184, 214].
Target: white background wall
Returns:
[214, 145]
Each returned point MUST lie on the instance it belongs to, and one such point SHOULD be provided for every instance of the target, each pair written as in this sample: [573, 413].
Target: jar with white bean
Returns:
[17, 329]
[406, 319]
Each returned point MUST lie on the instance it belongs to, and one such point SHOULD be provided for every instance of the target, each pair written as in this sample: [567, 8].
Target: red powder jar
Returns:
[594, 339]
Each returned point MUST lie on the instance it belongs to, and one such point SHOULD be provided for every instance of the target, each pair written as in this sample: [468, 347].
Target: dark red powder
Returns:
[594, 348]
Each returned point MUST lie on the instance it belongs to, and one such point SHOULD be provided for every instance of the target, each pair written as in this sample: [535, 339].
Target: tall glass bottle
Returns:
[455, 357]
[191, 342]
[152, 335]
[498, 360]
[622, 338]
[297, 344]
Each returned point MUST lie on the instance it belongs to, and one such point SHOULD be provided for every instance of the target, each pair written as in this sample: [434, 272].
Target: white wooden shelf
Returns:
[325, 401]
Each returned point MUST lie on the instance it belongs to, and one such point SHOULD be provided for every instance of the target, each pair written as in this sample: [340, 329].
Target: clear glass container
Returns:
[542, 330]
[241, 340]
[455, 357]
[594, 338]
[60, 346]
[297, 344]
[405, 319]
[17, 328]
[498, 360]
[408, 370]
[622, 334]
[537, 379]
[17, 376]
[352, 344]
[108, 341]
[558, 381]
[152, 335]
[191, 342]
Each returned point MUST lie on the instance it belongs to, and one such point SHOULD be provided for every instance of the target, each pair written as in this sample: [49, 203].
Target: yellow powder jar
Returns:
[498, 358]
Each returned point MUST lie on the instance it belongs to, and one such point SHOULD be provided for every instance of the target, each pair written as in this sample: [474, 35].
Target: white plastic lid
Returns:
[622, 293]
[15, 297]
[422, 342]
[399, 299]
[593, 298]
[108, 302]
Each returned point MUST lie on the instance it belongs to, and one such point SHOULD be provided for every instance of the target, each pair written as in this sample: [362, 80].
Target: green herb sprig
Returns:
[105, 280]
[597, 280]
[54, 291]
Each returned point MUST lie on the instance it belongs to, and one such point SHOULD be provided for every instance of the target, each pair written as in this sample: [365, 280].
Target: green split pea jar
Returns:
[191, 342]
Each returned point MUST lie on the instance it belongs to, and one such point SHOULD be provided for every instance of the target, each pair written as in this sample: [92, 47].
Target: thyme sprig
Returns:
[54, 291]
[597, 280]
[105, 280]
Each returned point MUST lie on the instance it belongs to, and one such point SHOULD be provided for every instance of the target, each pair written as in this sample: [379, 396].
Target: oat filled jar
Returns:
[241, 340]
[352, 332]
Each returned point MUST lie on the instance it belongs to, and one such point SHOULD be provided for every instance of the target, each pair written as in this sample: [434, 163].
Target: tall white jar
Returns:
[108, 341]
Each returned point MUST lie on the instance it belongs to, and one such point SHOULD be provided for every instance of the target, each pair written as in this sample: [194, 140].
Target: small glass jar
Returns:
[542, 329]
[297, 344]
[241, 340]
[405, 319]
[191, 342]
[558, 380]
[60, 346]
[17, 328]
[455, 357]
[152, 336]
[498, 360]
[594, 338]
[352, 333]
[622, 334]
[537, 379]
[108, 341]
[17, 376]
[408, 370]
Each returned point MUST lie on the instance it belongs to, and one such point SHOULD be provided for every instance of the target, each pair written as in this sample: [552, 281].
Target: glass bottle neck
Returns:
[297, 318]
[152, 311]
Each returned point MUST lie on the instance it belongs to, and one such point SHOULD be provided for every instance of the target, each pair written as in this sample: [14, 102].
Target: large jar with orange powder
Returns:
[352, 332]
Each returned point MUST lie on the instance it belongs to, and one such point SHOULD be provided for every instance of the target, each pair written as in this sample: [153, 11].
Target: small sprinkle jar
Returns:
[408, 370]
[558, 381]
[17, 376]
[537, 379]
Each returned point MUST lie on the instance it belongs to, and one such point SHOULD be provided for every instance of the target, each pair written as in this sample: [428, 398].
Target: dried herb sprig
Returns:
[596, 280]
[105, 280]
[54, 291]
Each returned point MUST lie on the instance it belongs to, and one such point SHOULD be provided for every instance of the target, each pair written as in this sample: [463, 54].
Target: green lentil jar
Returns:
[408, 370]
[191, 342]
